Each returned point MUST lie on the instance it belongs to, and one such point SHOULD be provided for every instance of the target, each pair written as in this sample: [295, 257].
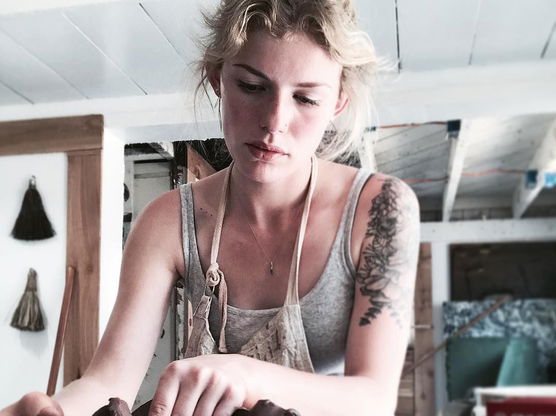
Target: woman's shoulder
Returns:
[340, 176]
[169, 204]
[387, 186]
[163, 206]
[384, 199]
[159, 220]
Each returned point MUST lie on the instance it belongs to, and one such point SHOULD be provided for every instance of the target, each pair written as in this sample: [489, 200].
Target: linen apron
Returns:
[282, 340]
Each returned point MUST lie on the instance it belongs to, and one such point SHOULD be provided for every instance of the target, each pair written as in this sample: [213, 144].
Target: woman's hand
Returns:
[209, 385]
[34, 404]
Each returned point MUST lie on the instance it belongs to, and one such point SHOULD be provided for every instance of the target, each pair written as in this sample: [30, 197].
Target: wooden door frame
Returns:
[81, 139]
[424, 394]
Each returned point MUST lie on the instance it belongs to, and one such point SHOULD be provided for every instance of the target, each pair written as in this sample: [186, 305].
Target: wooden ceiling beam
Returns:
[543, 161]
[458, 147]
[25, 6]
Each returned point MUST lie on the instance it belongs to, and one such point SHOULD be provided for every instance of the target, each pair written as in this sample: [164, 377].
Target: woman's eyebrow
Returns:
[259, 74]
[253, 71]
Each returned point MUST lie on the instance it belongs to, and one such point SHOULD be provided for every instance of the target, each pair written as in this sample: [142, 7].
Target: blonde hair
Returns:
[331, 24]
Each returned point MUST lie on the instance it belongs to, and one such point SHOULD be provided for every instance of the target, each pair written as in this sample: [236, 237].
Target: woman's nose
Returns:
[275, 115]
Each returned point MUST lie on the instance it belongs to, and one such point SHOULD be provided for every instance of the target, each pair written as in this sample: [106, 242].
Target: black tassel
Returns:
[32, 222]
[28, 315]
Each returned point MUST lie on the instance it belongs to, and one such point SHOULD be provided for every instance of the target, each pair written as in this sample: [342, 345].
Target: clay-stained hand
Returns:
[209, 385]
[34, 404]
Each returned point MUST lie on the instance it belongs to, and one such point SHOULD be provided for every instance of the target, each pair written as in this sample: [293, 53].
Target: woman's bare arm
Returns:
[147, 275]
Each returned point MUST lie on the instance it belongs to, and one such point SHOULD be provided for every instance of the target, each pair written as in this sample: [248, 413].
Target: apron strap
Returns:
[215, 276]
[292, 296]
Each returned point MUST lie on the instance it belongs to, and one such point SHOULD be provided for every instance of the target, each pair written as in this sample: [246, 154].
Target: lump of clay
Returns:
[266, 408]
[115, 407]
[118, 407]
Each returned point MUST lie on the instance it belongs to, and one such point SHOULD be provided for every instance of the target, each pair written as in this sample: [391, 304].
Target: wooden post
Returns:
[83, 254]
[424, 374]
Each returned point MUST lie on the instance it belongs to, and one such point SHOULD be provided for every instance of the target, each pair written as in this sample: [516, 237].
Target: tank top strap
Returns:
[348, 216]
[188, 232]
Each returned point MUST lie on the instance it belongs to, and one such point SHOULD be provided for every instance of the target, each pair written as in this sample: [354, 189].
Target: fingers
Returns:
[51, 411]
[189, 388]
[38, 404]
[166, 393]
[231, 400]
[189, 394]
[202, 393]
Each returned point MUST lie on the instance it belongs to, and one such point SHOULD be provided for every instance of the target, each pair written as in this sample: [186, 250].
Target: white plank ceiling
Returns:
[56, 51]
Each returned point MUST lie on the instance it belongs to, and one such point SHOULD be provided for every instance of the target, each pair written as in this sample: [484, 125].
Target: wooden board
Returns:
[378, 19]
[37, 83]
[435, 33]
[512, 30]
[424, 374]
[406, 390]
[60, 44]
[130, 39]
[51, 135]
[83, 253]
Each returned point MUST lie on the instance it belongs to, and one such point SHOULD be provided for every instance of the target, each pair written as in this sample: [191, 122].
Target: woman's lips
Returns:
[264, 151]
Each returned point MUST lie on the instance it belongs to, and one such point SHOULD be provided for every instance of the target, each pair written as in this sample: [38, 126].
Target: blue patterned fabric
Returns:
[530, 318]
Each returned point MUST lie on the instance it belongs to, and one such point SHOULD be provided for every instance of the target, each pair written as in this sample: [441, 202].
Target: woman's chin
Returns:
[261, 171]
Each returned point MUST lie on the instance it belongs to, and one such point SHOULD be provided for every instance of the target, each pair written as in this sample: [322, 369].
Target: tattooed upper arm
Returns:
[388, 259]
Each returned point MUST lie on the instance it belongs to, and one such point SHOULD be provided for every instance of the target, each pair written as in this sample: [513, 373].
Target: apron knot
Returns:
[214, 275]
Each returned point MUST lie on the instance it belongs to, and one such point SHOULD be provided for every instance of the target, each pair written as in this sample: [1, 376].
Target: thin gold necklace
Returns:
[268, 258]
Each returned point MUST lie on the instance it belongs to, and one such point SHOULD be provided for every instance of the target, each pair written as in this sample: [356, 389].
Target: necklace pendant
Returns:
[271, 269]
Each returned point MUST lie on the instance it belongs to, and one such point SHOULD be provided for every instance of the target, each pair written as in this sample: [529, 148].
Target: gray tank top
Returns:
[325, 310]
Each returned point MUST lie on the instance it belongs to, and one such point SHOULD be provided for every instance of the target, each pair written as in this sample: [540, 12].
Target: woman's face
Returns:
[278, 97]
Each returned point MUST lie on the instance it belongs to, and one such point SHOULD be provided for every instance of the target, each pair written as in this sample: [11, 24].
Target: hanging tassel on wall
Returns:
[28, 315]
[32, 222]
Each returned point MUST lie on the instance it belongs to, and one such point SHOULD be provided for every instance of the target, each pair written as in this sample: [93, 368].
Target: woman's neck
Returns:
[270, 203]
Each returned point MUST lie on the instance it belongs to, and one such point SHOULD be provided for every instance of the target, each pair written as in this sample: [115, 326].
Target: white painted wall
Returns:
[25, 357]
[111, 225]
[441, 235]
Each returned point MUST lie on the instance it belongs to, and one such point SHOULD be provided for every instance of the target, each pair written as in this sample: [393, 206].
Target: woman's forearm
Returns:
[85, 396]
[79, 398]
[317, 395]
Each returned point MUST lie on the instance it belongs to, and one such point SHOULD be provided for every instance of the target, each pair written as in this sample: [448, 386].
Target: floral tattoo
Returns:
[384, 258]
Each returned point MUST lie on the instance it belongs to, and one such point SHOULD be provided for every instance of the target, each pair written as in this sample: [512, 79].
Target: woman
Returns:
[307, 262]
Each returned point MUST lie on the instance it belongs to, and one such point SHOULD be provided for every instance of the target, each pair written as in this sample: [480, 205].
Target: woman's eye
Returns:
[250, 87]
[305, 100]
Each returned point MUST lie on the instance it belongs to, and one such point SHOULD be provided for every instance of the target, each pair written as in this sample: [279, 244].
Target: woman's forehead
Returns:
[296, 58]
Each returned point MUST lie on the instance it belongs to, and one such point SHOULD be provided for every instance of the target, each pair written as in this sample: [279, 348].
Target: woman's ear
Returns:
[341, 103]
[213, 76]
